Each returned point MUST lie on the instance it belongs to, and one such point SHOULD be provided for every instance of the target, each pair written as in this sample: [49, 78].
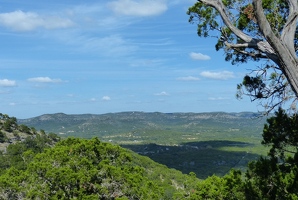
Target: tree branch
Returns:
[257, 44]
[265, 28]
[286, 60]
[237, 47]
[220, 7]
[288, 32]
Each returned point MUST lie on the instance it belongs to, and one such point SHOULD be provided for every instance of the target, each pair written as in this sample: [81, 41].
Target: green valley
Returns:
[204, 143]
[181, 164]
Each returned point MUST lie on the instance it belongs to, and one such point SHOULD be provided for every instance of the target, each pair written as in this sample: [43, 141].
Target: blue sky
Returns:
[110, 56]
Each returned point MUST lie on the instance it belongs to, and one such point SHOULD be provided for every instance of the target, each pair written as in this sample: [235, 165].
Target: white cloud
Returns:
[162, 94]
[44, 80]
[7, 83]
[12, 104]
[93, 99]
[138, 7]
[106, 98]
[199, 56]
[188, 78]
[224, 75]
[217, 98]
[28, 21]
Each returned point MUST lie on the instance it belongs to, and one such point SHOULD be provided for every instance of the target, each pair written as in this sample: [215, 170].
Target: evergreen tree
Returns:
[258, 30]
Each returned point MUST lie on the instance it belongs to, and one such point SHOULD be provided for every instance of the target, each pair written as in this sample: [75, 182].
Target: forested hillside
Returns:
[39, 166]
[90, 169]
[35, 167]
[16, 139]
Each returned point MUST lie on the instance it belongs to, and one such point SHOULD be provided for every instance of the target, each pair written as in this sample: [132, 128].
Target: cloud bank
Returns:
[28, 21]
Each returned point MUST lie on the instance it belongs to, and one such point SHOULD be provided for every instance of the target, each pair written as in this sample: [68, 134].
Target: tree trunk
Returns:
[284, 45]
[279, 49]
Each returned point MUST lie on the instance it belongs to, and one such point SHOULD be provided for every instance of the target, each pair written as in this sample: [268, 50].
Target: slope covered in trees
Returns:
[37, 167]
[15, 139]
[90, 169]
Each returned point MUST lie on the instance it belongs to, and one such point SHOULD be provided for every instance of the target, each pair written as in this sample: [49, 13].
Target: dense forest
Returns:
[36, 165]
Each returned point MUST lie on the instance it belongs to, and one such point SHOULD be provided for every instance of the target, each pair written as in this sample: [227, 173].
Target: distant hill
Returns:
[88, 125]
[205, 143]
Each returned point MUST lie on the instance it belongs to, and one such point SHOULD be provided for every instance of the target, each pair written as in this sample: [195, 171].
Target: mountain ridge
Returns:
[128, 121]
[249, 113]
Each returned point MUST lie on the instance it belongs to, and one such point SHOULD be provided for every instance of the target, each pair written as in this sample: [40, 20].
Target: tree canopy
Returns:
[255, 30]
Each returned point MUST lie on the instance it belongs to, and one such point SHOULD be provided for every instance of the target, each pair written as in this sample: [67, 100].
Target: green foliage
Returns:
[241, 14]
[20, 154]
[13, 156]
[89, 169]
[10, 124]
[253, 85]
[281, 133]
[52, 136]
[207, 17]
[25, 129]
[269, 179]
[229, 187]
[276, 177]
[3, 137]
[274, 88]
